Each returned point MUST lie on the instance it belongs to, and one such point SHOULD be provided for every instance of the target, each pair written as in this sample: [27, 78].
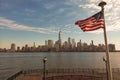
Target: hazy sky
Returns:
[27, 21]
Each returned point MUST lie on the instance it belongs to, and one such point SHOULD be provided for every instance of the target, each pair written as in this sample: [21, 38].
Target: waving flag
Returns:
[92, 23]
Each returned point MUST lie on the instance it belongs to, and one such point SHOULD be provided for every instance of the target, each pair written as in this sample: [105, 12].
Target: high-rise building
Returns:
[60, 38]
[33, 48]
[23, 48]
[79, 45]
[73, 45]
[18, 48]
[46, 43]
[69, 42]
[92, 43]
[56, 46]
[111, 47]
[65, 46]
[26, 47]
[50, 43]
[34, 45]
[13, 47]
[85, 46]
[92, 46]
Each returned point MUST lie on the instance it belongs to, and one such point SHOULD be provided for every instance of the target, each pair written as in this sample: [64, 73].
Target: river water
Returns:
[11, 62]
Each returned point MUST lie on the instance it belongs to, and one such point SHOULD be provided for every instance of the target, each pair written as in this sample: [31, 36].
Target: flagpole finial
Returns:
[102, 4]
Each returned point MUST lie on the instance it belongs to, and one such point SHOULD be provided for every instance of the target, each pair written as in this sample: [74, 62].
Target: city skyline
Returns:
[24, 22]
[55, 46]
[70, 45]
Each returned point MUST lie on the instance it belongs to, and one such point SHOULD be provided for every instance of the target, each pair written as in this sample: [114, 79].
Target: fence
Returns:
[68, 71]
[15, 75]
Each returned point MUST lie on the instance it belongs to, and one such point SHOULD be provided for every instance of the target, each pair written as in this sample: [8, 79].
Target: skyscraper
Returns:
[50, 43]
[111, 47]
[69, 42]
[60, 39]
[92, 43]
[73, 44]
[26, 47]
[13, 47]
[34, 45]
[46, 43]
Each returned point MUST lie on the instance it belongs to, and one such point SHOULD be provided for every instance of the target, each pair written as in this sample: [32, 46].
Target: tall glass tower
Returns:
[60, 39]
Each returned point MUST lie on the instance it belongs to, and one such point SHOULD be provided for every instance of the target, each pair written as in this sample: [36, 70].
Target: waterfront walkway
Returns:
[61, 77]
[67, 74]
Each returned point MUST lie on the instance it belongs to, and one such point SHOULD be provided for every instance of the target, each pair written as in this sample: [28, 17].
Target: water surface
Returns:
[11, 62]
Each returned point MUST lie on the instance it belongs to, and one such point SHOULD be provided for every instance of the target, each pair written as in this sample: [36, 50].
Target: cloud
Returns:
[61, 10]
[4, 5]
[72, 14]
[72, 2]
[50, 5]
[92, 5]
[38, 1]
[70, 28]
[29, 10]
[10, 24]
[1, 27]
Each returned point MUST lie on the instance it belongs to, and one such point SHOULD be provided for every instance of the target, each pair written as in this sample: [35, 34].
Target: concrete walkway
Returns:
[84, 76]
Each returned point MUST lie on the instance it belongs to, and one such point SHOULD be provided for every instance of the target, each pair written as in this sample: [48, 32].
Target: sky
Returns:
[28, 21]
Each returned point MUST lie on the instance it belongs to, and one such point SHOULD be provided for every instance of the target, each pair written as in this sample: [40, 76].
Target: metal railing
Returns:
[70, 71]
[15, 75]
[67, 70]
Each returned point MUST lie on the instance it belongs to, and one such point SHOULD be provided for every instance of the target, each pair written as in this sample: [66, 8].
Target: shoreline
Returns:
[56, 51]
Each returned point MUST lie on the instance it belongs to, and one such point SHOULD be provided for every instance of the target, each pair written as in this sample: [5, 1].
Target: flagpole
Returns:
[102, 4]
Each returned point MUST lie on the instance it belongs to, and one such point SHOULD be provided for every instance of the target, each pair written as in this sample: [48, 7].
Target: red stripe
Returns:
[90, 29]
[88, 22]
[92, 25]
[85, 30]
[84, 21]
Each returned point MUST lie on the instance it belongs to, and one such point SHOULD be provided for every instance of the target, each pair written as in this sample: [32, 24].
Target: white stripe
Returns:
[100, 26]
[101, 23]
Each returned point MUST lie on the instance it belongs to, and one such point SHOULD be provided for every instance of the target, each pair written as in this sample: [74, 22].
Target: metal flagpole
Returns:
[106, 67]
[102, 4]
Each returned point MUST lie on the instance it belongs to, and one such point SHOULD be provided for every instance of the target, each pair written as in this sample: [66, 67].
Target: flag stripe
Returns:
[91, 29]
[93, 24]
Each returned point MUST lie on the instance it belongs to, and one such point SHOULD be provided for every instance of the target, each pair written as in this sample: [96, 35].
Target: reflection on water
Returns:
[14, 61]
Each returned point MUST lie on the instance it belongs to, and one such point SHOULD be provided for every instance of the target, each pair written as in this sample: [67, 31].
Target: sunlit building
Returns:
[69, 42]
[50, 43]
[13, 47]
[91, 46]
[65, 46]
[111, 47]
[85, 47]
[18, 48]
[60, 38]
[73, 45]
[79, 46]
[46, 43]
[56, 46]
[26, 47]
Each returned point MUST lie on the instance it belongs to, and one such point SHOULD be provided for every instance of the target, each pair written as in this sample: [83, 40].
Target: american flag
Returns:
[92, 23]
